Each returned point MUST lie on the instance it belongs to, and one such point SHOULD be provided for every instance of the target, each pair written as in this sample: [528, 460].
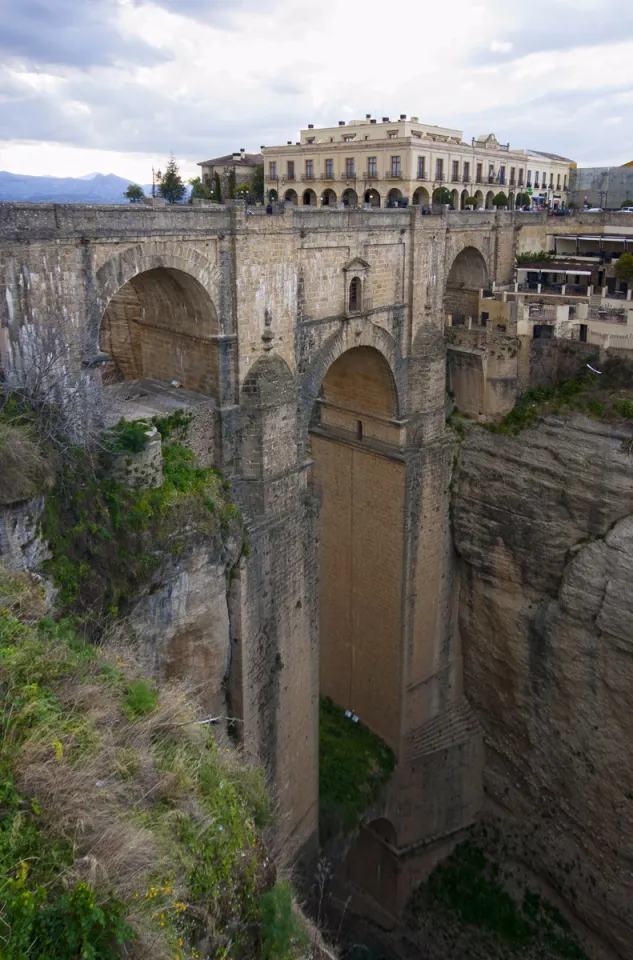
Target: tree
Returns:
[472, 202]
[524, 200]
[134, 192]
[243, 191]
[232, 184]
[257, 183]
[199, 190]
[623, 268]
[217, 188]
[442, 195]
[500, 200]
[171, 185]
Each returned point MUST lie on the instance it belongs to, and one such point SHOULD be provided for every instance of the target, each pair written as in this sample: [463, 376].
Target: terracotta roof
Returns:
[249, 160]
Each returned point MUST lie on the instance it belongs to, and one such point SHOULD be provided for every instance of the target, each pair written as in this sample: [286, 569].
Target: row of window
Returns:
[396, 171]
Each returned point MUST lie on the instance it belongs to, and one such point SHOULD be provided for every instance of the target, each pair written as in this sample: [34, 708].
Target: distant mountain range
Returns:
[93, 188]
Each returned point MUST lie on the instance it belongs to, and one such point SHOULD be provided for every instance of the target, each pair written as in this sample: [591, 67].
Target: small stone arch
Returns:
[479, 197]
[489, 200]
[421, 197]
[372, 197]
[367, 334]
[309, 198]
[328, 198]
[511, 201]
[454, 199]
[464, 198]
[290, 196]
[267, 420]
[350, 198]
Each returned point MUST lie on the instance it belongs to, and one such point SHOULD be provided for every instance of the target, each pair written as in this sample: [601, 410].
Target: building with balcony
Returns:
[390, 163]
[241, 163]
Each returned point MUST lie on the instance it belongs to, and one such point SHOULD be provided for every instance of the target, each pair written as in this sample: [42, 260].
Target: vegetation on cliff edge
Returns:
[126, 828]
[354, 766]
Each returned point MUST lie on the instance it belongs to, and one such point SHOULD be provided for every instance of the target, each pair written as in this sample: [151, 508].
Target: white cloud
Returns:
[501, 46]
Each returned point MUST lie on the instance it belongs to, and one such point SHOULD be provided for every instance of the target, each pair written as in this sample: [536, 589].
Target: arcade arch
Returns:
[421, 197]
[394, 197]
[290, 196]
[162, 324]
[372, 197]
[309, 198]
[350, 198]
[328, 198]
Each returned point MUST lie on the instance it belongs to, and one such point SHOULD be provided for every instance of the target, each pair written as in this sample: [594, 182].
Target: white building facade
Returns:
[396, 162]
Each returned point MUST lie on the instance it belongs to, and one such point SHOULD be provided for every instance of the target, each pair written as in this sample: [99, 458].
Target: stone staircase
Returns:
[455, 726]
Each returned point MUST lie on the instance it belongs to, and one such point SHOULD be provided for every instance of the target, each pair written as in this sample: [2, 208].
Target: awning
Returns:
[570, 273]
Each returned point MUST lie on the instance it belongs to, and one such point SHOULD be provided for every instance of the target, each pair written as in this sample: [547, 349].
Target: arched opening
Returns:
[371, 863]
[162, 325]
[464, 198]
[372, 197]
[355, 300]
[489, 200]
[468, 275]
[290, 196]
[273, 195]
[350, 199]
[479, 197]
[421, 197]
[360, 480]
[394, 197]
[511, 201]
[328, 198]
[454, 199]
[309, 198]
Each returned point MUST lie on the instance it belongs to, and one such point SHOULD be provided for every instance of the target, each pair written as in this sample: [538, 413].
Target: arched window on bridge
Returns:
[355, 295]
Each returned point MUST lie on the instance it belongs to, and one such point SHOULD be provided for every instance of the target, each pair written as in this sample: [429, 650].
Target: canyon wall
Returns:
[543, 524]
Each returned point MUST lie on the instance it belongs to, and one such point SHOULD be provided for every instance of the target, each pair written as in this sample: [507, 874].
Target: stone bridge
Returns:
[318, 335]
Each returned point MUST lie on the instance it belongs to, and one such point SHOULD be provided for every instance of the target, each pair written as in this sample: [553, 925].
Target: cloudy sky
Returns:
[116, 85]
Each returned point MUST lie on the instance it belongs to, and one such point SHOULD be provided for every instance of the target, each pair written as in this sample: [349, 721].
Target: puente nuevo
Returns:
[317, 338]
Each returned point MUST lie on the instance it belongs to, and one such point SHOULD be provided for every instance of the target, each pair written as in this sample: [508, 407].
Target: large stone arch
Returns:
[350, 335]
[467, 276]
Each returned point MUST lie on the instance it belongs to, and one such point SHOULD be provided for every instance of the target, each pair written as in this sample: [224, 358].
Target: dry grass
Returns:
[23, 466]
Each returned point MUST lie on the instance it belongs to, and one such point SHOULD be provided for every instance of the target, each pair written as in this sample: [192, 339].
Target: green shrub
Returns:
[128, 435]
[281, 929]
[139, 700]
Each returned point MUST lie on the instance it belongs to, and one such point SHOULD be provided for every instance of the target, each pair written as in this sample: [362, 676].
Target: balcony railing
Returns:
[455, 179]
[309, 176]
[290, 176]
[465, 178]
[491, 179]
[328, 176]
[371, 175]
[393, 176]
[422, 176]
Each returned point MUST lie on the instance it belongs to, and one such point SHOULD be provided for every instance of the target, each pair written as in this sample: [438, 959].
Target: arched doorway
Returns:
[350, 199]
[328, 198]
[372, 197]
[309, 198]
[511, 201]
[479, 197]
[394, 197]
[464, 198]
[454, 199]
[467, 276]
[273, 195]
[360, 478]
[421, 197]
[489, 200]
[290, 196]
[162, 325]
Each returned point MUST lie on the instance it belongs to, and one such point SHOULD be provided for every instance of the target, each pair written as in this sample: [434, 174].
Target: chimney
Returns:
[310, 126]
[262, 147]
[368, 116]
[385, 119]
[403, 116]
[341, 123]
[243, 152]
[372, 121]
[289, 142]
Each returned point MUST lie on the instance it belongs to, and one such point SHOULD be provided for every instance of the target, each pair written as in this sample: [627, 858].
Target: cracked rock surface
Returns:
[543, 523]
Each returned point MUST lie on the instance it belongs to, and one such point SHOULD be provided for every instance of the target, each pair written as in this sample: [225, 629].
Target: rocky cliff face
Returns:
[543, 523]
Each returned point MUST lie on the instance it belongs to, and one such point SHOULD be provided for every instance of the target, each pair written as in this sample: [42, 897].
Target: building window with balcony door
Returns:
[529, 179]
[291, 169]
[551, 180]
[520, 176]
[372, 167]
[421, 170]
[480, 172]
[329, 169]
[466, 172]
[512, 176]
[536, 178]
[502, 175]
[272, 169]
[565, 183]
[349, 167]
[309, 169]
[395, 167]
[439, 169]
[558, 181]
[491, 173]
[455, 170]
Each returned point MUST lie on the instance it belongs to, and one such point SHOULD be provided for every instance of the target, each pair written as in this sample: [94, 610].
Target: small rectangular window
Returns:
[372, 167]
[393, 134]
[272, 170]
[395, 167]
[291, 169]
[348, 139]
[349, 167]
